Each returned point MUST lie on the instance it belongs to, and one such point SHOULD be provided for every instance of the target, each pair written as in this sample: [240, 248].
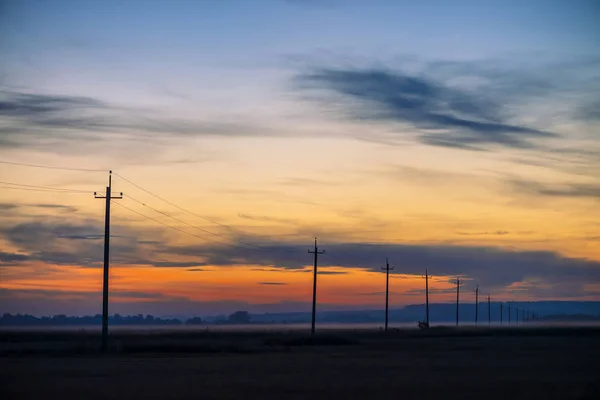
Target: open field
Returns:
[527, 363]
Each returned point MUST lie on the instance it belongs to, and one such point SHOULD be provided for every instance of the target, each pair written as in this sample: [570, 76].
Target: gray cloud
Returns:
[475, 105]
[266, 218]
[497, 233]
[55, 241]
[175, 264]
[448, 116]
[570, 190]
[488, 266]
[12, 259]
[332, 272]
[40, 120]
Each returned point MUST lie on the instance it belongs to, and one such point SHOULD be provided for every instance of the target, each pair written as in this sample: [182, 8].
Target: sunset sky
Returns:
[460, 137]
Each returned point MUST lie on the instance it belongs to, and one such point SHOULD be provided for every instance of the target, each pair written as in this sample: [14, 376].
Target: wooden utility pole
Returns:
[387, 289]
[489, 311]
[476, 304]
[458, 283]
[427, 277]
[316, 252]
[108, 197]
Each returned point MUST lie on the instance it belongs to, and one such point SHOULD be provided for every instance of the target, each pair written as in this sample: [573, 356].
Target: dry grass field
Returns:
[556, 363]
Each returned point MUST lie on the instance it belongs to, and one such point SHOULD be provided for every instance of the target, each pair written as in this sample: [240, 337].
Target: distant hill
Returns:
[439, 313]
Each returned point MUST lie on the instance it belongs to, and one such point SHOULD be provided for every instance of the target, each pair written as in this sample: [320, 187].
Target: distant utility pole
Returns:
[427, 277]
[458, 283]
[489, 311]
[476, 304]
[387, 289]
[501, 306]
[316, 252]
[108, 197]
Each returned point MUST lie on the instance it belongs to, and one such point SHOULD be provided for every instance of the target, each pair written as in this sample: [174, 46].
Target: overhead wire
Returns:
[16, 186]
[52, 167]
[178, 229]
[185, 210]
[181, 221]
[43, 188]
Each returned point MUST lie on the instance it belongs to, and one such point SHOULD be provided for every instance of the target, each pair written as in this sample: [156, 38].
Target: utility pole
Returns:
[458, 283]
[489, 312]
[108, 197]
[476, 304]
[501, 306]
[387, 289]
[316, 252]
[427, 277]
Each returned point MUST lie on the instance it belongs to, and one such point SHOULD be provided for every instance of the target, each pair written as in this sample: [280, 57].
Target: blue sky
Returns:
[432, 129]
[158, 39]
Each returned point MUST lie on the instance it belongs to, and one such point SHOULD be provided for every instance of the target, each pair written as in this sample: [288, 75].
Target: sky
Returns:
[459, 137]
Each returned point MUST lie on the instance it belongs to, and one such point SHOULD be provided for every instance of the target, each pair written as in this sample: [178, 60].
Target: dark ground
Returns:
[442, 363]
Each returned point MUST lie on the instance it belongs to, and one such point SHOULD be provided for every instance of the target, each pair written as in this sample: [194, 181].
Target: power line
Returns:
[183, 209]
[35, 190]
[44, 188]
[52, 167]
[186, 223]
[177, 229]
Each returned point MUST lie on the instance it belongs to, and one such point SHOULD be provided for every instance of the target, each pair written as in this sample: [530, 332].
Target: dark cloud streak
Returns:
[446, 115]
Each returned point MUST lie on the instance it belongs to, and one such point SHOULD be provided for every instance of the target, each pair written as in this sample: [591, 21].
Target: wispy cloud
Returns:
[567, 190]
[484, 233]
[447, 116]
[476, 105]
[43, 121]
[266, 218]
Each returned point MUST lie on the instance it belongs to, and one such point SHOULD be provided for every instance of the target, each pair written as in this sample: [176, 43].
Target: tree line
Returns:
[8, 319]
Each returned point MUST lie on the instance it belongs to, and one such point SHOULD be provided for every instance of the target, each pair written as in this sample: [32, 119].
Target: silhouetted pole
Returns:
[387, 290]
[316, 252]
[476, 304]
[489, 311]
[108, 197]
[458, 283]
[427, 277]
[501, 306]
